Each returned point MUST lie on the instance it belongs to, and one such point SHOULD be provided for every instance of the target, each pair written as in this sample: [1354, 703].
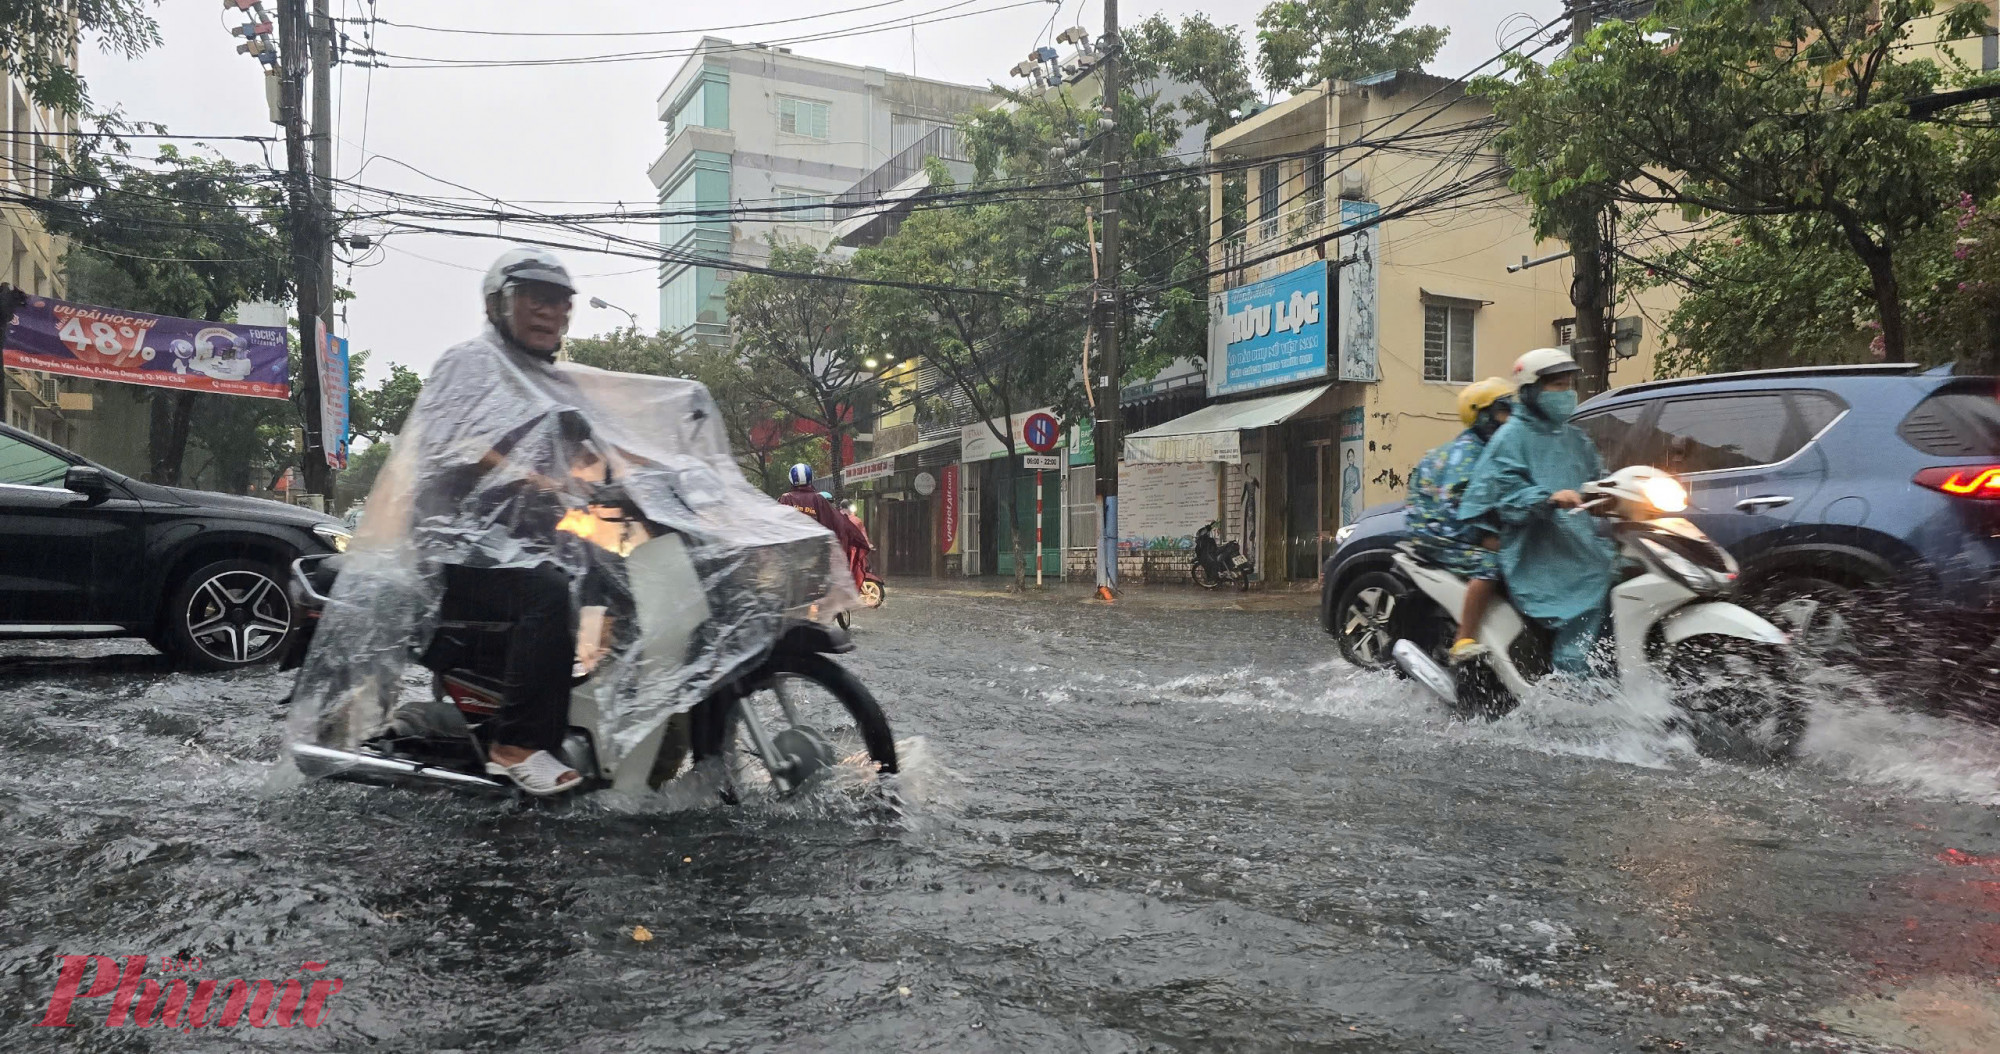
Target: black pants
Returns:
[541, 648]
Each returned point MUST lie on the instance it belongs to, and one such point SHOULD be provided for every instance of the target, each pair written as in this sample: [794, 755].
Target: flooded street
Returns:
[1145, 828]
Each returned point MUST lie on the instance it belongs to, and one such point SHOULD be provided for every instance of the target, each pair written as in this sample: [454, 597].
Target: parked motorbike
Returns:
[1215, 563]
[790, 717]
[1726, 670]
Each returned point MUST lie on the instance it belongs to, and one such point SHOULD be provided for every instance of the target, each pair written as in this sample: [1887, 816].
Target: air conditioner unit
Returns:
[1354, 183]
[49, 393]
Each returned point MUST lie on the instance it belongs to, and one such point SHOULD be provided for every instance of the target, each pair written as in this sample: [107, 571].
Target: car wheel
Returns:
[1368, 619]
[228, 615]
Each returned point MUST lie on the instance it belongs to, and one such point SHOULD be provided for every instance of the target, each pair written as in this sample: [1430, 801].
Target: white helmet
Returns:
[1542, 363]
[525, 263]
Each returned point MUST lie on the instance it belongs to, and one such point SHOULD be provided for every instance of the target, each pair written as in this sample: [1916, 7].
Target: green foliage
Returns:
[38, 43]
[802, 352]
[1197, 53]
[1304, 42]
[354, 482]
[1785, 123]
[378, 413]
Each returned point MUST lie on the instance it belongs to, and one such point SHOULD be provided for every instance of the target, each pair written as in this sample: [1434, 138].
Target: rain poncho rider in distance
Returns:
[1558, 567]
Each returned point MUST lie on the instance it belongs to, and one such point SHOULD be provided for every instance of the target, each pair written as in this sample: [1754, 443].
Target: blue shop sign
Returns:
[1270, 332]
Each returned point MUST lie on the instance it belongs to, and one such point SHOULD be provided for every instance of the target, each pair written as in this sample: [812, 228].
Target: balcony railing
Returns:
[943, 142]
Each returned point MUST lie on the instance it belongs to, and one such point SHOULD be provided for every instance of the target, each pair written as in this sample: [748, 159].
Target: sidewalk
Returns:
[1156, 597]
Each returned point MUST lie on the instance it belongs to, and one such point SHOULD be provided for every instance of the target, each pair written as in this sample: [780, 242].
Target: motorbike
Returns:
[1675, 634]
[791, 717]
[1216, 563]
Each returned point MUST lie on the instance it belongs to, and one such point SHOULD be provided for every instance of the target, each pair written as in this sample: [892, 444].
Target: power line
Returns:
[634, 32]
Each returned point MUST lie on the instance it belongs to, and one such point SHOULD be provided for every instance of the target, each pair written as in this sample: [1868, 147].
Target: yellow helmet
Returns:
[1479, 395]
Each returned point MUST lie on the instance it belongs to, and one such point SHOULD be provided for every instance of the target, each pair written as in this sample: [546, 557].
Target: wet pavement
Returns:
[1162, 825]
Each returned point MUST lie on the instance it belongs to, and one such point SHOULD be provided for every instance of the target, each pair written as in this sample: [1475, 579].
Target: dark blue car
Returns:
[1821, 481]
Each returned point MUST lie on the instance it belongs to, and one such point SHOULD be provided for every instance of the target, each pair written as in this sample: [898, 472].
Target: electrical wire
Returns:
[636, 32]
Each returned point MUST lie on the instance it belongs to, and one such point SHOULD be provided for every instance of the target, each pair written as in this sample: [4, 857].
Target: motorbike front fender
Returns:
[1721, 618]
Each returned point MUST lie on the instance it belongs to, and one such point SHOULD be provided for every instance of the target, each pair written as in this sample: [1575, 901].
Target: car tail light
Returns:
[1965, 481]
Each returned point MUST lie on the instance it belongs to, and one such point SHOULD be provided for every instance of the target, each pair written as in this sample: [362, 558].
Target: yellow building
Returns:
[1336, 362]
[32, 260]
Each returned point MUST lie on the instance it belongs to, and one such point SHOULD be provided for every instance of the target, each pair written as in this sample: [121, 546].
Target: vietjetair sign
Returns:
[1270, 332]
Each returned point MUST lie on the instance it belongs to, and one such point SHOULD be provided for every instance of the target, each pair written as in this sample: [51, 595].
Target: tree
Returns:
[186, 234]
[1303, 42]
[800, 349]
[378, 414]
[38, 43]
[1786, 122]
[1199, 55]
[763, 439]
[358, 479]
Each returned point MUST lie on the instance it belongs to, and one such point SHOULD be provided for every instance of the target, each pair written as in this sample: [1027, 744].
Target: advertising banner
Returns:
[1160, 506]
[867, 470]
[948, 510]
[982, 441]
[1352, 424]
[1358, 276]
[1269, 332]
[132, 347]
[333, 407]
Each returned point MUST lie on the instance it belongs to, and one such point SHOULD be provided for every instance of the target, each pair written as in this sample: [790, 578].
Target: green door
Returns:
[1024, 517]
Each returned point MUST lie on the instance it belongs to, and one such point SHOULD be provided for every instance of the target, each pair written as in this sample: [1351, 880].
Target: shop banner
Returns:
[1358, 276]
[333, 410]
[867, 470]
[1161, 506]
[948, 510]
[982, 441]
[132, 347]
[1352, 423]
[1269, 332]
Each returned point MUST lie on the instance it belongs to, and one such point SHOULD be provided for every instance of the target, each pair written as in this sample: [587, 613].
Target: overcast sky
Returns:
[581, 133]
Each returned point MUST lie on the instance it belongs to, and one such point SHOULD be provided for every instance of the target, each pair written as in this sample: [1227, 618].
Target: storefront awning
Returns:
[1215, 433]
[885, 464]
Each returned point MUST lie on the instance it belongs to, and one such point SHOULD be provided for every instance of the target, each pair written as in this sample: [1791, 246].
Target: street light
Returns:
[601, 304]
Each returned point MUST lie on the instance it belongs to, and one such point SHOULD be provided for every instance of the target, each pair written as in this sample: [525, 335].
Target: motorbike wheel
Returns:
[833, 727]
[1204, 576]
[1742, 699]
[873, 593]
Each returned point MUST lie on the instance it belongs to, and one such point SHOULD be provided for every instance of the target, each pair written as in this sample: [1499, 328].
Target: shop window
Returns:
[1448, 343]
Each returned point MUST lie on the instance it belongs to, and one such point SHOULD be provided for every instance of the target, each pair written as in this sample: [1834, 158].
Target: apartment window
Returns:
[797, 199]
[1267, 200]
[1448, 343]
[803, 117]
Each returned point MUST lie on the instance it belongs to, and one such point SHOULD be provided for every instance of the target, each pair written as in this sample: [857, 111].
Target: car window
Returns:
[1816, 410]
[1711, 433]
[1611, 430]
[1959, 420]
[29, 465]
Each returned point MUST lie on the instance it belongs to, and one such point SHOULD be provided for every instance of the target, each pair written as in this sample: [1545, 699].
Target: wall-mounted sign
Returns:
[1270, 332]
[925, 483]
[863, 471]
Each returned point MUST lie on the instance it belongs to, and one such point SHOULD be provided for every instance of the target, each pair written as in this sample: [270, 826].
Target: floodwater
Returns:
[1124, 829]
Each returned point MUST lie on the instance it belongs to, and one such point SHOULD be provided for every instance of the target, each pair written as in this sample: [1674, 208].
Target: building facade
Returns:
[1335, 362]
[750, 126]
[32, 262]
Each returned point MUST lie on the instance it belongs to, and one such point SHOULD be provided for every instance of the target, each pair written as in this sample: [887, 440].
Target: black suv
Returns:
[86, 552]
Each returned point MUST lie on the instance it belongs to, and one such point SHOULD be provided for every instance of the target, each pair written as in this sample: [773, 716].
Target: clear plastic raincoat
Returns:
[498, 466]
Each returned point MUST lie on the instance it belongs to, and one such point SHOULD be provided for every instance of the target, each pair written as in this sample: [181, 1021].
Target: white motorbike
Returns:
[1725, 669]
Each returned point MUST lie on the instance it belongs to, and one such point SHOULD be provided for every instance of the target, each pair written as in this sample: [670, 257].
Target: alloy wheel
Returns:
[238, 617]
[1365, 626]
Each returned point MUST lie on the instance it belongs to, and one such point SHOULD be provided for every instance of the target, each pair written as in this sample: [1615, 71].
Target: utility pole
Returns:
[1107, 309]
[1589, 289]
[322, 151]
[308, 237]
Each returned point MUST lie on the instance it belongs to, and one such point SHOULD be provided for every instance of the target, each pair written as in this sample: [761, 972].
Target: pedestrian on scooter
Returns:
[1467, 549]
[1558, 567]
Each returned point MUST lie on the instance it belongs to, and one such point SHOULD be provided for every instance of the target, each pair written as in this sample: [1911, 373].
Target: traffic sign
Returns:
[1040, 432]
[1041, 461]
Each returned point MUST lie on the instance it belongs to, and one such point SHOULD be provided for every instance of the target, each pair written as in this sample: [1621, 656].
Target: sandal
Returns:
[541, 774]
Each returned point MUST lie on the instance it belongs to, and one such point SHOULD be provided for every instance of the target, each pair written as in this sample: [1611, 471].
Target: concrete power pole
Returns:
[1107, 310]
[306, 228]
[322, 149]
[1589, 292]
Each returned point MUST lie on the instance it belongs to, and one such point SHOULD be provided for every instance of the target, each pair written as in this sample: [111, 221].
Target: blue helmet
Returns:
[802, 474]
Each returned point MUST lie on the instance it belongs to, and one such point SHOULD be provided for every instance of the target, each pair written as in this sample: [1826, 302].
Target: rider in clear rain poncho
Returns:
[1558, 567]
[484, 511]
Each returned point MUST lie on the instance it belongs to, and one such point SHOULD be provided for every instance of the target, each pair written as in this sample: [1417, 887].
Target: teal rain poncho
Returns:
[1556, 564]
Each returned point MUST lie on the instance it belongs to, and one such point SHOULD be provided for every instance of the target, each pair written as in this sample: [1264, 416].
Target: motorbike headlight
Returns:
[335, 537]
[1341, 536]
[1666, 494]
[1683, 570]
